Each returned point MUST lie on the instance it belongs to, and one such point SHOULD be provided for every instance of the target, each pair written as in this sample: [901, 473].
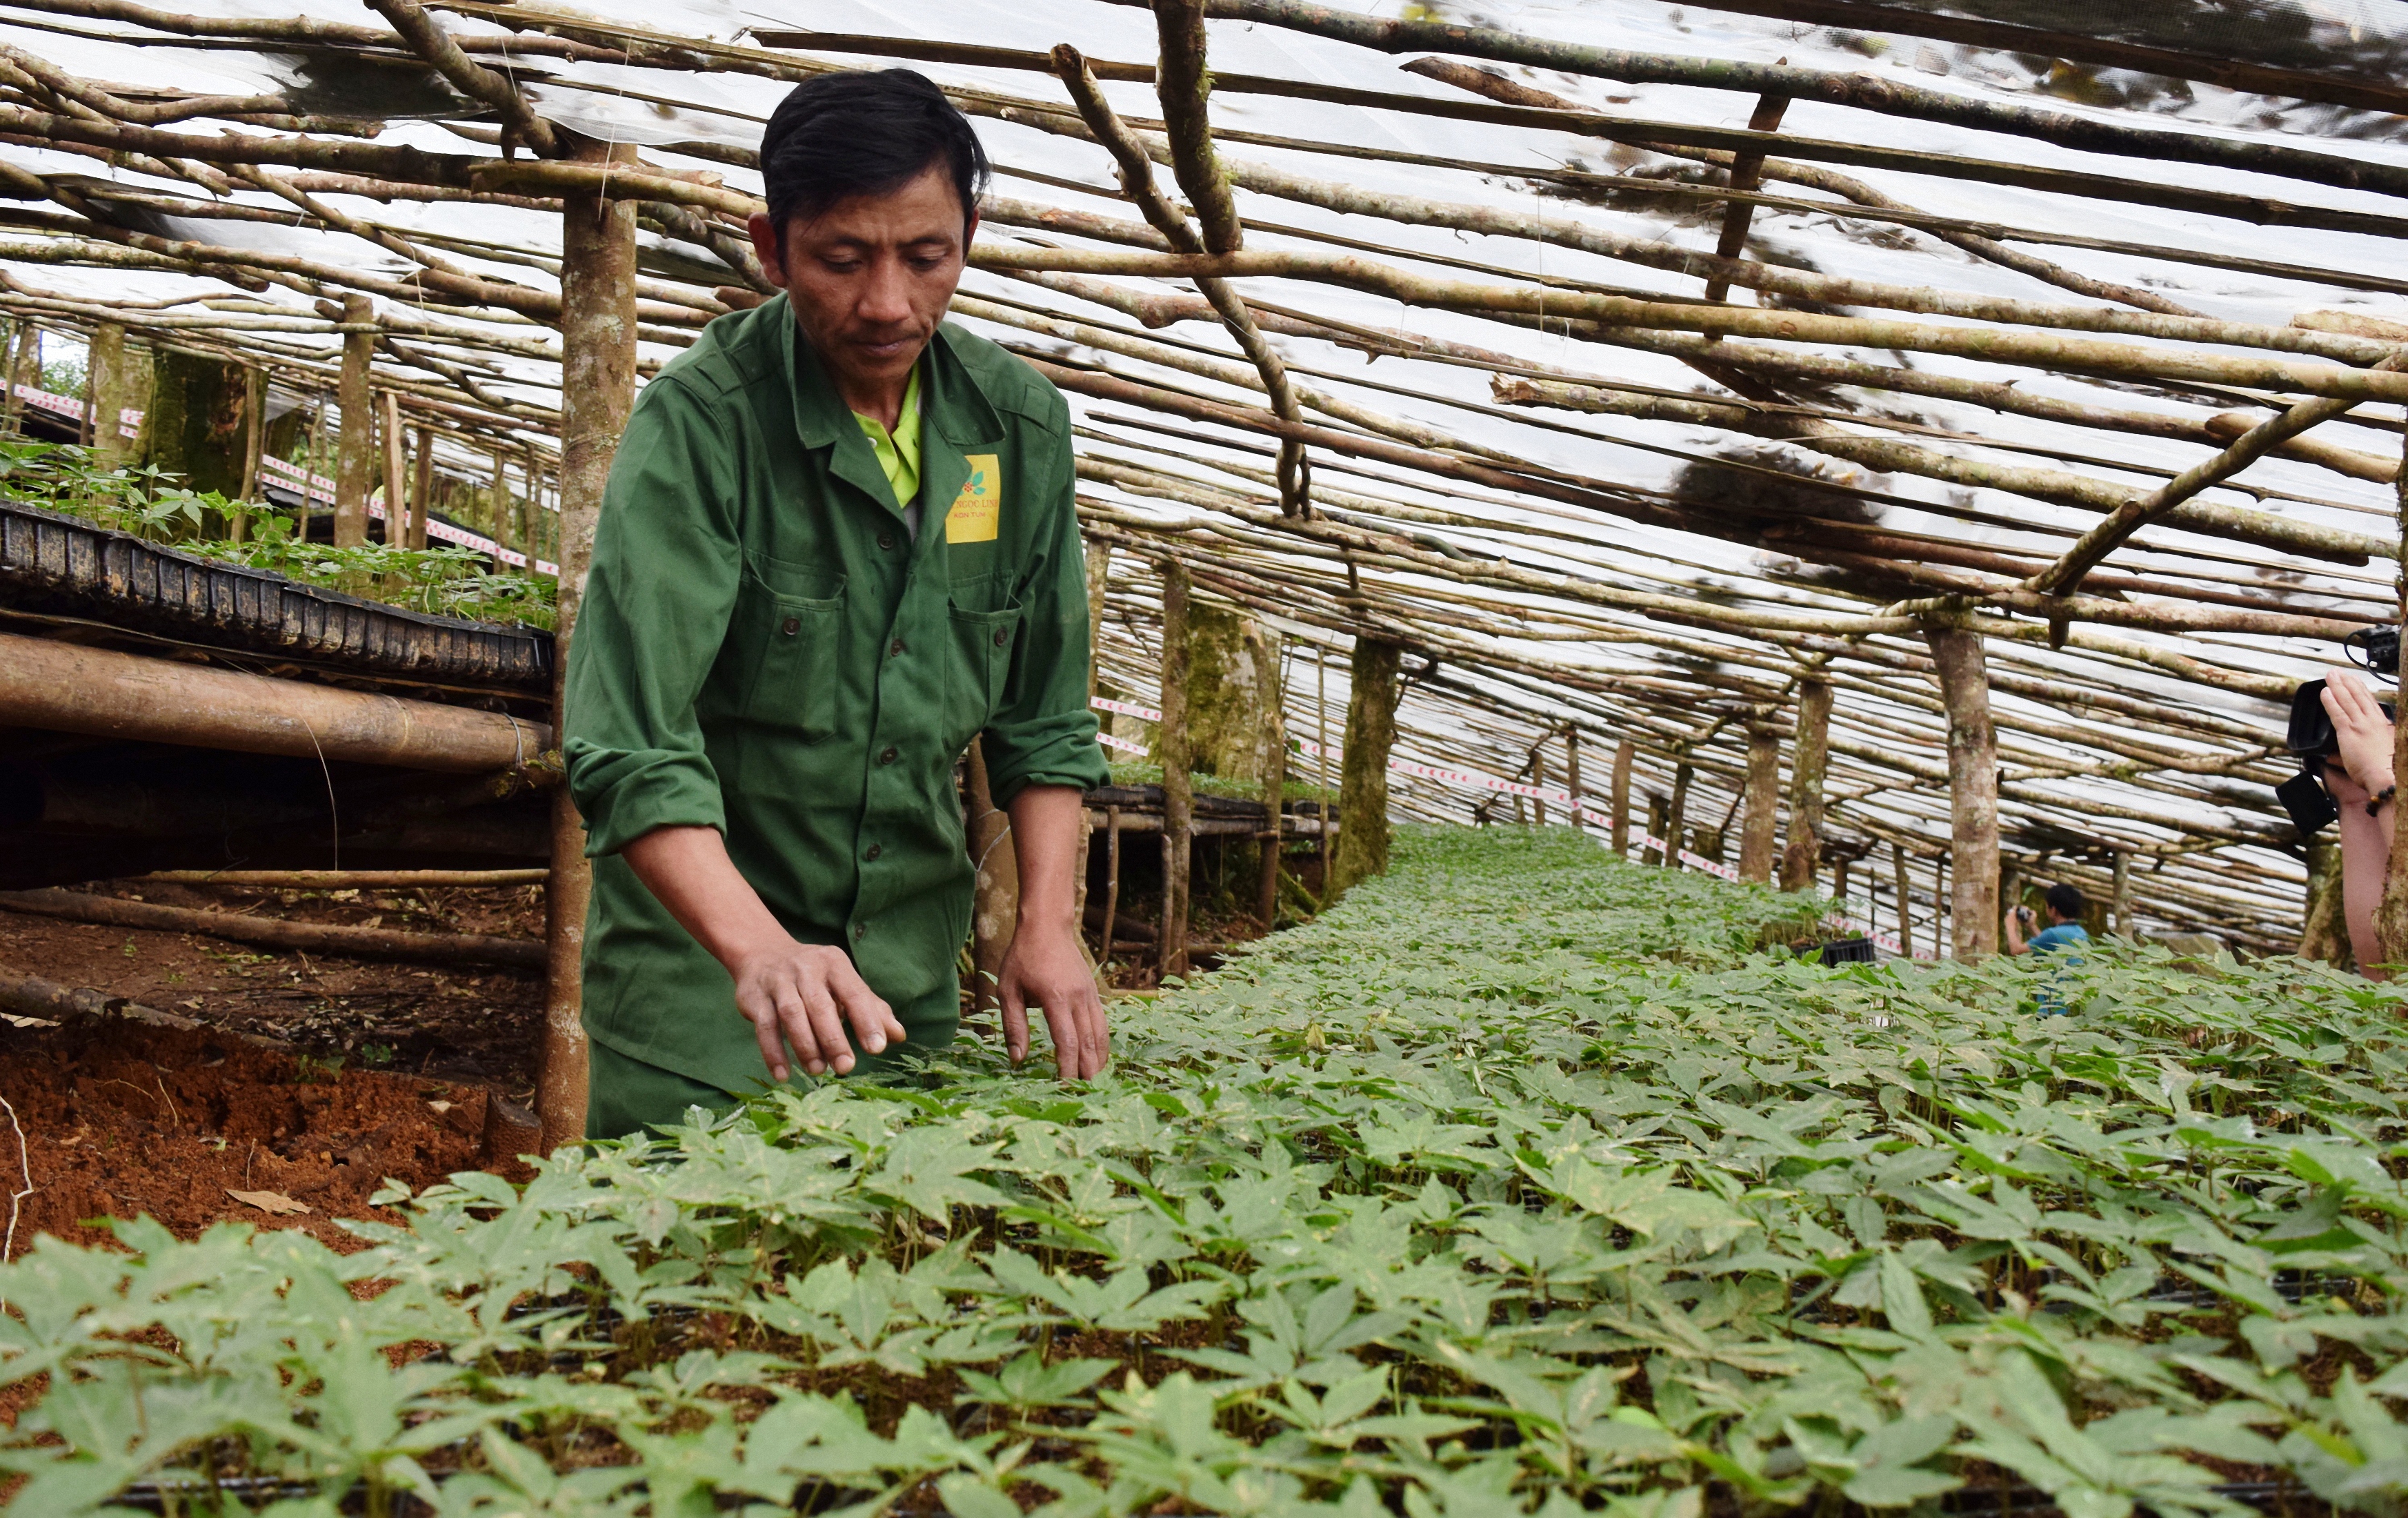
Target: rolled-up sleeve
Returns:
[1044, 734]
[667, 562]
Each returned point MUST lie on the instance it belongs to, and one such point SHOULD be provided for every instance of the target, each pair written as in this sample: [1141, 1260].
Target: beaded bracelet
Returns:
[2375, 802]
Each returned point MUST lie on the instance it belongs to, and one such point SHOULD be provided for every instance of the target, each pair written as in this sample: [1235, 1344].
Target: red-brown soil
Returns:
[120, 1118]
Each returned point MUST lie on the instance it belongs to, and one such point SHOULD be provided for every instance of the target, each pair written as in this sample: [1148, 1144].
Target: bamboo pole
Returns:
[1618, 797]
[1810, 758]
[1178, 792]
[597, 291]
[1372, 699]
[1972, 790]
[1760, 802]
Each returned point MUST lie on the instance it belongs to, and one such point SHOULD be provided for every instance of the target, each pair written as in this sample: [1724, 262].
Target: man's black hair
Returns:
[2066, 901]
[865, 134]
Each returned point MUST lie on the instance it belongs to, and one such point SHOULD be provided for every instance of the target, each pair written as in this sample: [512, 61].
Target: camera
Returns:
[2375, 650]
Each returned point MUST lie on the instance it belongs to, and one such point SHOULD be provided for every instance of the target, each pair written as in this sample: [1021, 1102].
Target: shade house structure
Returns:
[1913, 451]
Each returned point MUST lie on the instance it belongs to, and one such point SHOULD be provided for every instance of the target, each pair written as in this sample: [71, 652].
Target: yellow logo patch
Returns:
[977, 511]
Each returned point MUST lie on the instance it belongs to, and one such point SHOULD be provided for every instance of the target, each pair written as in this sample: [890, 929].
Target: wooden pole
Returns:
[2324, 934]
[277, 932]
[995, 894]
[1746, 173]
[597, 388]
[1809, 761]
[1539, 777]
[65, 687]
[349, 879]
[1972, 790]
[1942, 914]
[1274, 782]
[355, 456]
[104, 383]
[1618, 796]
[1760, 802]
[1905, 901]
[317, 466]
[2121, 924]
[1676, 815]
[1099, 575]
[1321, 740]
[2011, 888]
[1371, 731]
[1658, 812]
[1178, 788]
[397, 527]
[421, 495]
[1111, 880]
[1572, 777]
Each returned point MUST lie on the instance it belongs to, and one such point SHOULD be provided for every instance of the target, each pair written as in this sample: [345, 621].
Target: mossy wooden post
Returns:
[23, 341]
[1363, 783]
[597, 388]
[1178, 788]
[421, 495]
[1676, 814]
[1905, 901]
[1618, 796]
[1539, 778]
[355, 450]
[2119, 921]
[1809, 758]
[1659, 809]
[198, 420]
[995, 894]
[105, 382]
[1759, 802]
[2011, 889]
[2325, 934]
[1972, 790]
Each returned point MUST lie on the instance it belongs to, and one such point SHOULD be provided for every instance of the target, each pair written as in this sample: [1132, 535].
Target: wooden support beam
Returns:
[64, 687]
[2120, 920]
[598, 389]
[1659, 809]
[1111, 880]
[1538, 772]
[421, 495]
[1809, 760]
[349, 879]
[1099, 578]
[1178, 788]
[274, 933]
[1572, 777]
[1972, 790]
[398, 529]
[355, 451]
[1676, 814]
[1759, 802]
[106, 381]
[1372, 700]
[2324, 931]
[254, 433]
[1746, 173]
[1274, 779]
[1618, 797]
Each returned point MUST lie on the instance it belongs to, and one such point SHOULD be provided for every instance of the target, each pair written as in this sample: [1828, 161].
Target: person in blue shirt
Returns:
[2062, 940]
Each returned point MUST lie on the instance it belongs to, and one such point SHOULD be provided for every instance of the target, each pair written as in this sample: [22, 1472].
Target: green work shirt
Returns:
[764, 648]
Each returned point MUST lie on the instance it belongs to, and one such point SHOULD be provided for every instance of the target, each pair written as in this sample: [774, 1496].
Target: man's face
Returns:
[869, 279]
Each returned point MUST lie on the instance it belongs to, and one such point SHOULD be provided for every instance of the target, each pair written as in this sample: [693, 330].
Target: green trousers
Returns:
[625, 1096]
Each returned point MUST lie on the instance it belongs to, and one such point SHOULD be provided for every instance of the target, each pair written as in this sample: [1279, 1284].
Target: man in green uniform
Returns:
[839, 543]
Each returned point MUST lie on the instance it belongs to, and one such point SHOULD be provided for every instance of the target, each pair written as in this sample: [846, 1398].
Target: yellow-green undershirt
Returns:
[899, 452]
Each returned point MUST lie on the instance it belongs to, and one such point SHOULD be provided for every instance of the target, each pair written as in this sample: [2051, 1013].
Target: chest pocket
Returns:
[978, 671]
[789, 629]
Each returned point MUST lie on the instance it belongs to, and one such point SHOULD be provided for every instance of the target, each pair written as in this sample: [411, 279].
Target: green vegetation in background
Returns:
[449, 581]
[1517, 1182]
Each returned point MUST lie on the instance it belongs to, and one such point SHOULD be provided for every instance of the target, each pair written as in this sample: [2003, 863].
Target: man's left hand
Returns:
[1045, 969]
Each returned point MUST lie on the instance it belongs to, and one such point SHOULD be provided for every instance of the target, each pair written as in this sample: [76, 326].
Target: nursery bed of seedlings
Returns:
[1522, 1181]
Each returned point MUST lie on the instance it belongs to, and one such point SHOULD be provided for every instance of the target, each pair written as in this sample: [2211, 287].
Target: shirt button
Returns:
[894, 649]
[858, 930]
[886, 540]
[873, 851]
[886, 755]
[1001, 637]
[791, 626]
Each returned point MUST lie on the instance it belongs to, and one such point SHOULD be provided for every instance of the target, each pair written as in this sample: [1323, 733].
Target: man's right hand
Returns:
[792, 994]
[800, 995]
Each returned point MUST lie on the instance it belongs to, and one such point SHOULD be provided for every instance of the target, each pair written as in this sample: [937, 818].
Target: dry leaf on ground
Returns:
[272, 1202]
